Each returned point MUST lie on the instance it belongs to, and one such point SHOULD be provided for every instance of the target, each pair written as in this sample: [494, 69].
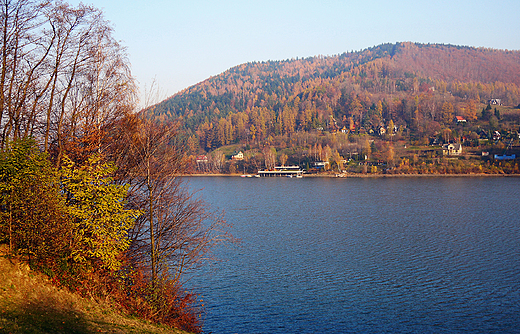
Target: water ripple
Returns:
[366, 256]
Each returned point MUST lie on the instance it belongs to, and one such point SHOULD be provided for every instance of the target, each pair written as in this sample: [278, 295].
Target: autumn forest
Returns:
[386, 109]
[91, 193]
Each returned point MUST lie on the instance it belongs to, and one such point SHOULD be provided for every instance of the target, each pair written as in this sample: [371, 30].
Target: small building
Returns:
[382, 130]
[202, 159]
[287, 171]
[505, 157]
[496, 135]
[452, 149]
[202, 163]
[495, 102]
[320, 164]
[460, 119]
[237, 156]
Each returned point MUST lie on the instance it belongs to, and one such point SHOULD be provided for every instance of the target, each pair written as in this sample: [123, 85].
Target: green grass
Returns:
[229, 149]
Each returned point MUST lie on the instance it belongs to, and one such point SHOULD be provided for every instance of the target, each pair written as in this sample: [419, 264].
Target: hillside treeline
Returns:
[419, 88]
[89, 192]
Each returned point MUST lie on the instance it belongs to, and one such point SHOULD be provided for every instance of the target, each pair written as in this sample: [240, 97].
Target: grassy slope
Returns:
[30, 304]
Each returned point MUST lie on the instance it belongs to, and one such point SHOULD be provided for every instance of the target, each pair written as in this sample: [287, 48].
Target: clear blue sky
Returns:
[180, 43]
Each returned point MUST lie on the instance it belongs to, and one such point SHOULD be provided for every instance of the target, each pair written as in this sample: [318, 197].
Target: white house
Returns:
[238, 156]
[452, 149]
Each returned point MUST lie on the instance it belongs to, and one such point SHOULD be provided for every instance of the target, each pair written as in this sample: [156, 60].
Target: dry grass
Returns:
[30, 304]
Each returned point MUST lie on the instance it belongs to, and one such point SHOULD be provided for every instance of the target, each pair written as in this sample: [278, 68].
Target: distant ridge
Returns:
[307, 93]
[434, 61]
[462, 63]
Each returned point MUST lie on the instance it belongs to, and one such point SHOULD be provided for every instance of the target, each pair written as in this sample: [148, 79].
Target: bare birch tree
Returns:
[62, 75]
[23, 56]
[177, 230]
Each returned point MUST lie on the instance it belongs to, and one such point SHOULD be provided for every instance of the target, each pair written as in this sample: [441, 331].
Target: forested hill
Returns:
[403, 82]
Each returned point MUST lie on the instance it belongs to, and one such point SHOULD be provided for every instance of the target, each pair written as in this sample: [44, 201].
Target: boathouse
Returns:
[287, 171]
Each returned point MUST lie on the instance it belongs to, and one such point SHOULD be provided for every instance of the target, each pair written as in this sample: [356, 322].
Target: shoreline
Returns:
[345, 176]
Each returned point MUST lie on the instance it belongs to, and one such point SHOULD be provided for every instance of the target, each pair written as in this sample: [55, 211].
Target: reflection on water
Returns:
[407, 255]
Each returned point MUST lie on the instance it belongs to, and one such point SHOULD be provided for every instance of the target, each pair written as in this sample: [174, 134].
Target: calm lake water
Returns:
[376, 255]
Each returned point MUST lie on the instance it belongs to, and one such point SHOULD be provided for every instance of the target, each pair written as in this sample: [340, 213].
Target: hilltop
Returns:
[409, 90]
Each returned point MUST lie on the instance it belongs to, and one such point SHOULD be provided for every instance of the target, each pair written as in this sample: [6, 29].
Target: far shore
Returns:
[367, 175]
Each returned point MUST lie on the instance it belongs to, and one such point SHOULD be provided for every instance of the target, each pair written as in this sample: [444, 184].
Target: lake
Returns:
[364, 255]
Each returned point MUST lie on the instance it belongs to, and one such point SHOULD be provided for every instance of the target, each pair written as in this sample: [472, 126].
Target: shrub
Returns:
[96, 206]
[33, 216]
[72, 225]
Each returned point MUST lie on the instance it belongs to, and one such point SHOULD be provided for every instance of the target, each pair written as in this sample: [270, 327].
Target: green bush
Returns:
[33, 215]
[69, 219]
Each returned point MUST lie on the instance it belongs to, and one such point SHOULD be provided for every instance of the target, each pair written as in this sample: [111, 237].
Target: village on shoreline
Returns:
[407, 161]
[363, 175]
